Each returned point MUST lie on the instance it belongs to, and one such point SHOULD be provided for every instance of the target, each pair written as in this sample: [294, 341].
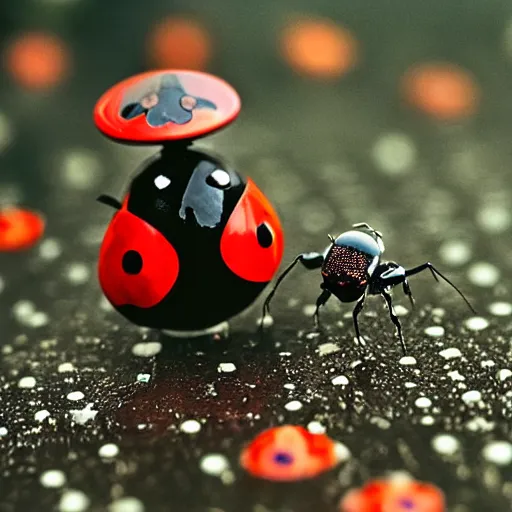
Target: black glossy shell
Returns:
[365, 242]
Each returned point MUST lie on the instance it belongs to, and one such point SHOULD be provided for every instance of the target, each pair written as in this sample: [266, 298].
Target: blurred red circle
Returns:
[19, 228]
[318, 48]
[441, 90]
[179, 43]
[37, 60]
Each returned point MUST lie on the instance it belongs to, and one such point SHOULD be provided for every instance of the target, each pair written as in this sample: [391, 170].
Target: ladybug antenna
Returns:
[109, 201]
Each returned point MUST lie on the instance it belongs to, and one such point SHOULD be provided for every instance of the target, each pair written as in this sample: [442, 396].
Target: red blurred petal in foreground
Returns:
[394, 495]
[19, 229]
[290, 453]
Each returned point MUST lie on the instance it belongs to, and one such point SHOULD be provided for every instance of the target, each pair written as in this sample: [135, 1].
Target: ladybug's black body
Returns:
[194, 208]
[352, 269]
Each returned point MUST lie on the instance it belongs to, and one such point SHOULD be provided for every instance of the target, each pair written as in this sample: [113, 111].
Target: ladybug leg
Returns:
[394, 319]
[310, 260]
[322, 299]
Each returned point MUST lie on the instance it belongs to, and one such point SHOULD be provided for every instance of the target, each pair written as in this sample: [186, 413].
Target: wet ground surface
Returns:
[75, 378]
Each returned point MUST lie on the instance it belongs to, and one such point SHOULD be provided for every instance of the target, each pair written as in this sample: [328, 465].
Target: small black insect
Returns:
[352, 269]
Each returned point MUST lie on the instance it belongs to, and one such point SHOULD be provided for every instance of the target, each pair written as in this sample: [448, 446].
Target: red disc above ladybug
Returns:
[163, 106]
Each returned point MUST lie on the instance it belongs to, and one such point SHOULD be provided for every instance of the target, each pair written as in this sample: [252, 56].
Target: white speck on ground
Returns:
[434, 330]
[42, 415]
[503, 374]
[52, 478]
[65, 367]
[483, 274]
[78, 273]
[73, 501]
[126, 504]
[408, 360]
[226, 368]
[500, 308]
[294, 405]
[328, 348]
[315, 427]
[108, 451]
[27, 382]
[494, 218]
[498, 452]
[75, 396]
[266, 321]
[214, 464]
[342, 452]
[480, 424]
[394, 153]
[427, 420]
[423, 402]
[455, 375]
[476, 323]
[470, 397]
[445, 444]
[450, 353]
[400, 310]
[309, 309]
[50, 249]
[82, 416]
[147, 349]
[341, 380]
[455, 252]
[190, 427]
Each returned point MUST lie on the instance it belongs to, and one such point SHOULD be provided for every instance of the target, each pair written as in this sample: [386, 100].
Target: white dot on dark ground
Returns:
[126, 504]
[73, 501]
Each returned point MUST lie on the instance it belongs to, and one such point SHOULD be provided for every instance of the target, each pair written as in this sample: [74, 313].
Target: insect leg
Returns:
[394, 319]
[355, 314]
[407, 291]
[435, 273]
[109, 201]
[322, 299]
[311, 261]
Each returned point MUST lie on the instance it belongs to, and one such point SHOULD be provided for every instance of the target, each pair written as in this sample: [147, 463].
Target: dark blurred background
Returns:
[396, 113]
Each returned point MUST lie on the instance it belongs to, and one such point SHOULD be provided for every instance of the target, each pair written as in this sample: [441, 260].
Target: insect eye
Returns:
[162, 182]
[219, 179]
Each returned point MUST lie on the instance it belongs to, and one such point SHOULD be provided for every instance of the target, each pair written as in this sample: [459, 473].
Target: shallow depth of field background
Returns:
[393, 113]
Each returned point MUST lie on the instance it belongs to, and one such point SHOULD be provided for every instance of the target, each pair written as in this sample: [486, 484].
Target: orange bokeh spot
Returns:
[179, 43]
[37, 60]
[442, 90]
[19, 229]
[318, 48]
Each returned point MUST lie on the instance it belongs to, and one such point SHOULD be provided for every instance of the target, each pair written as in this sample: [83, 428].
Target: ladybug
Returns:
[193, 243]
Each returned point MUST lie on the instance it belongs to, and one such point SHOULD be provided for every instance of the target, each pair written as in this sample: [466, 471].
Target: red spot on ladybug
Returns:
[252, 242]
[289, 453]
[162, 106]
[19, 229]
[137, 266]
[396, 494]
